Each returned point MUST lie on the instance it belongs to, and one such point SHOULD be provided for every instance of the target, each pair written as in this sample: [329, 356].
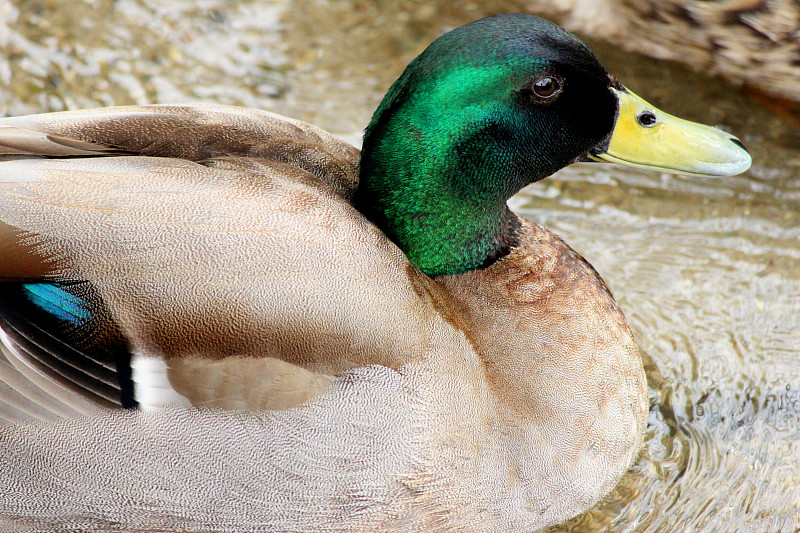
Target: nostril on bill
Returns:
[738, 143]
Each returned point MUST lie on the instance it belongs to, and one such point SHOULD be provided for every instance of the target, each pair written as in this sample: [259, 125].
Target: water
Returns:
[707, 270]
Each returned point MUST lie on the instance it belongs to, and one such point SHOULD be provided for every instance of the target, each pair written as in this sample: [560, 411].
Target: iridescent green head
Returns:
[485, 110]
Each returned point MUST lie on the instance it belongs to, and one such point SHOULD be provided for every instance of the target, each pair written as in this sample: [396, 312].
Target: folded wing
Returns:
[141, 246]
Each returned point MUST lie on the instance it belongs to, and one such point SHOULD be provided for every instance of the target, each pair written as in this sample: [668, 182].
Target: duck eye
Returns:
[546, 87]
[646, 119]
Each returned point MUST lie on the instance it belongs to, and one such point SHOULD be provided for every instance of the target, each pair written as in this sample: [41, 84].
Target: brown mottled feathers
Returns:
[513, 394]
[548, 295]
[239, 256]
[234, 255]
[193, 132]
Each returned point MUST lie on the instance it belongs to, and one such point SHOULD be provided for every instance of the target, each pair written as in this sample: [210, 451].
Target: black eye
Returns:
[546, 87]
[646, 119]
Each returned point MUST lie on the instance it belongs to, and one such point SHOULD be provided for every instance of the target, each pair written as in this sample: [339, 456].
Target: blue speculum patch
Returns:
[53, 299]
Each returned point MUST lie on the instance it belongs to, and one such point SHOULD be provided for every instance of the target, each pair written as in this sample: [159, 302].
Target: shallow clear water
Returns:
[707, 270]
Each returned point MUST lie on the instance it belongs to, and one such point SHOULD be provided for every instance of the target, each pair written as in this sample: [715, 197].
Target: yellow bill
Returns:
[646, 137]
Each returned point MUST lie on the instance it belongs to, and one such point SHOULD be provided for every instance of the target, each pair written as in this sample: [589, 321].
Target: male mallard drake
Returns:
[751, 41]
[413, 355]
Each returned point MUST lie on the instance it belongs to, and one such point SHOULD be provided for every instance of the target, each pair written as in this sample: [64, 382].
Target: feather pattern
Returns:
[308, 375]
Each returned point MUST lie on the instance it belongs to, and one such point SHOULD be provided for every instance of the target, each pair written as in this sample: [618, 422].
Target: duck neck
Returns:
[438, 186]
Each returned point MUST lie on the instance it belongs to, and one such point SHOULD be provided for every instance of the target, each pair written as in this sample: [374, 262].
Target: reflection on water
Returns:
[708, 271]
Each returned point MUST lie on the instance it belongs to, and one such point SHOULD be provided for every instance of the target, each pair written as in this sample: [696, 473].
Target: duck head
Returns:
[496, 105]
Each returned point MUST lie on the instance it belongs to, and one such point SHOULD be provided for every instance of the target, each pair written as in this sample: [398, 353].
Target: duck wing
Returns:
[194, 132]
[189, 254]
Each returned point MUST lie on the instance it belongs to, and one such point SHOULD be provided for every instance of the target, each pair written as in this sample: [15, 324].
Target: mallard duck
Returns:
[749, 41]
[306, 338]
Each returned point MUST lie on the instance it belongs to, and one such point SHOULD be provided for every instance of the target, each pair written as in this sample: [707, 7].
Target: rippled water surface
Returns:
[708, 271]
